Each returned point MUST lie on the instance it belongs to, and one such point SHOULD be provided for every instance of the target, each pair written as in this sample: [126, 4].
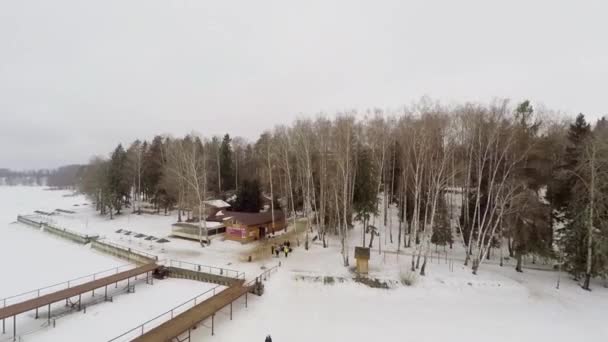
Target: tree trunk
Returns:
[518, 267]
[501, 258]
[399, 236]
[475, 266]
[423, 268]
[587, 282]
[364, 231]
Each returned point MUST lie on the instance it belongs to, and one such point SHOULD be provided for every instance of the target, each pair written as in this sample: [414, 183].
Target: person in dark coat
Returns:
[272, 249]
[268, 339]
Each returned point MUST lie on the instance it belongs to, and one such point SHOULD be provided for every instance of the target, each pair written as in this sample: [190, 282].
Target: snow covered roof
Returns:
[217, 203]
[250, 219]
[211, 224]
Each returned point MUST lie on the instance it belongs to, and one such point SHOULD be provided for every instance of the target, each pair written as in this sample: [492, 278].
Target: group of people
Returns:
[285, 247]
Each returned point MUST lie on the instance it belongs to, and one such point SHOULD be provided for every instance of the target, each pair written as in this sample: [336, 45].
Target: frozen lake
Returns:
[32, 259]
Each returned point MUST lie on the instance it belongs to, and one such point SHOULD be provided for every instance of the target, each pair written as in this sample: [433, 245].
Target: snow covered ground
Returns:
[443, 307]
[30, 258]
[312, 296]
[499, 304]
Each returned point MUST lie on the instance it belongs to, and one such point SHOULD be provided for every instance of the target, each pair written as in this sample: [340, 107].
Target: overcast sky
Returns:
[77, 77]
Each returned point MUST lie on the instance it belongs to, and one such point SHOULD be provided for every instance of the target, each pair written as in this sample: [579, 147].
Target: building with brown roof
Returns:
[245, 227]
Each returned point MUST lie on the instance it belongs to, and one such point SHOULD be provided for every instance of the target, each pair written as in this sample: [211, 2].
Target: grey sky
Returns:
[77, 77]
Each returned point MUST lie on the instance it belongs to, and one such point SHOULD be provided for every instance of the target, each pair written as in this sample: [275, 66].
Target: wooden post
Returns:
[79, 301]
[49, 315]
[231, 311]
[15, 328]
[212, 324]
[36, 317]
[246, 298]
[106, 294]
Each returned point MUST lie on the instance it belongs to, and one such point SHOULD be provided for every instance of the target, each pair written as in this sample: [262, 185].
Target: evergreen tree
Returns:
[364, 198]
[153, 170]
[214, 165]
[442, 232]
[119, 184]
[584, 182]
[529, 226]
[226, 169]
[561, 190]
[249, 197]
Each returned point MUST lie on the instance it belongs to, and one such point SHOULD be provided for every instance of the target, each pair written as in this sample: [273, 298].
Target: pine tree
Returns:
[226, 169]
[442, 232]
[529, 226]
[152, 173]
[365, 200]
[249, 197]
[119, 184]
[561, 190]
[582, 178]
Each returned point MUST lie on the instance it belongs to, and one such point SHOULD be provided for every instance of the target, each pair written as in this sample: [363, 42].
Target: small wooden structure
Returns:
[362, 257]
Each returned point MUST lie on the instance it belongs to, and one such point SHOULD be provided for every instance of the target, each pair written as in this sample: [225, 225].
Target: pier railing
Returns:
[4, 302]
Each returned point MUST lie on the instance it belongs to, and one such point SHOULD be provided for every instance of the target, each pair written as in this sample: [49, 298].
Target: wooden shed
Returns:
[362, 257]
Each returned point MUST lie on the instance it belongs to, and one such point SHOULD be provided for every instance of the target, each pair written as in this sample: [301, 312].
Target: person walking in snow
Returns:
[286, 249]
[268, 339]
[272, 249]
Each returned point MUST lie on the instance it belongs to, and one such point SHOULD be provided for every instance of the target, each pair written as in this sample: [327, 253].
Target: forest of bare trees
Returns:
[64, 177]
[483, 177]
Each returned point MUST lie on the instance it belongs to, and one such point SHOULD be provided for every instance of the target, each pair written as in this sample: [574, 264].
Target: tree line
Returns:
[482, 176]
[64, 177]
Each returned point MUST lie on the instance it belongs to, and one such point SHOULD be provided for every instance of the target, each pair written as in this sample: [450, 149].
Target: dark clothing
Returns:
[268, 339]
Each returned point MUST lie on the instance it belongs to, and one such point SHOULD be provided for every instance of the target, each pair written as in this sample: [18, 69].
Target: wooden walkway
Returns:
[78, 290]
[187, 320]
